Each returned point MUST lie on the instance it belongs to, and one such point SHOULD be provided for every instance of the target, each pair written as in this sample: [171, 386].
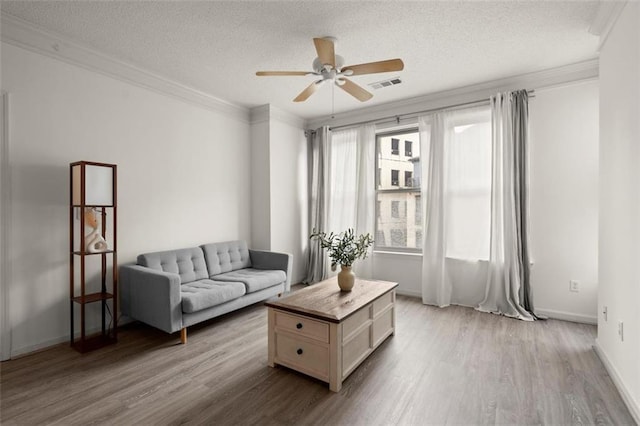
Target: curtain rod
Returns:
[398, 117]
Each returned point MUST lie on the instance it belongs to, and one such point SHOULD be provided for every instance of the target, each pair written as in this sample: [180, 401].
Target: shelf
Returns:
[93, 186]
[93, 342]
[79, 253]
[93, 297]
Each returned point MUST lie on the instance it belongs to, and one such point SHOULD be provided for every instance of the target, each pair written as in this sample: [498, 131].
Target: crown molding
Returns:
[286, 117]
[268, 113]
[605, 18]
[259, 114]
[23, 34]
[586, 70]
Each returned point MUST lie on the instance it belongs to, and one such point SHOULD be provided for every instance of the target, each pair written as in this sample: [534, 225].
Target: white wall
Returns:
[279, 184]
[564, 200]
[289, 227]
[619, 258]
[182, 178]
[564, 210]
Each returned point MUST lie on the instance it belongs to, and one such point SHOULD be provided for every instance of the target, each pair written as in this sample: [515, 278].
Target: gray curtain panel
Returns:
[318, 161]
[520, 120]
[508, 290]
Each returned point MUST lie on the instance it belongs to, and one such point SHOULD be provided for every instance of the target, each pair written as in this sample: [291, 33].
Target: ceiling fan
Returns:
[330, 67]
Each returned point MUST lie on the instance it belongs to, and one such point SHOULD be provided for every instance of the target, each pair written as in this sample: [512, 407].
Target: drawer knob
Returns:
[299, 351]
[299, 325]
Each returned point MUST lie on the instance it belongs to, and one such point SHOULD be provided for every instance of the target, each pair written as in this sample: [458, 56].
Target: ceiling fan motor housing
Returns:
[319, 67]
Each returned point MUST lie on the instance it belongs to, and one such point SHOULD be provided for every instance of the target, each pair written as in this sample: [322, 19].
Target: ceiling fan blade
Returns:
[354, 90]
[375, 67]
[310, 90]
[326, 52]
[274, 73]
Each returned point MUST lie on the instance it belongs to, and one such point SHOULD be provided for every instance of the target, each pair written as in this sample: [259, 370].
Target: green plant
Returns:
[343, 248]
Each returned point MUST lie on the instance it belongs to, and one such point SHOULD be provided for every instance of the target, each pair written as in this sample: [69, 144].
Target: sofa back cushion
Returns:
[226, 257]
[189, 263]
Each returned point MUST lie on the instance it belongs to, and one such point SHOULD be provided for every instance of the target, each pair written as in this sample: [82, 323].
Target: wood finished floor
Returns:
[443, 366]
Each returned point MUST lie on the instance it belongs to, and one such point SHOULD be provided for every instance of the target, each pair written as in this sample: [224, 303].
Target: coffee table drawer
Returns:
[302, 326]
[382, 303]
[304, 356]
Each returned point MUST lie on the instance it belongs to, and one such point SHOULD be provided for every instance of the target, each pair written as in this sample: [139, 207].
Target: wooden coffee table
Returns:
[326, 333]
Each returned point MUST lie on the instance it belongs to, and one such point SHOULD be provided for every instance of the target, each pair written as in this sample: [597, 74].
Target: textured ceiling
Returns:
[216, 47]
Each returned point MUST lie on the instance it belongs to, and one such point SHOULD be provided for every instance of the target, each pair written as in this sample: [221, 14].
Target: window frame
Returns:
[397, 190]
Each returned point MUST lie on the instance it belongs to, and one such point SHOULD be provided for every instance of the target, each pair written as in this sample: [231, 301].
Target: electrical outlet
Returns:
[621, 330]
[574, 286]
[604, 313]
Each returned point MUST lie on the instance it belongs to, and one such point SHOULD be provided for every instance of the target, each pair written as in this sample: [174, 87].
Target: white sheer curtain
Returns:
[507, 290]
[456, 193]
[351, 186]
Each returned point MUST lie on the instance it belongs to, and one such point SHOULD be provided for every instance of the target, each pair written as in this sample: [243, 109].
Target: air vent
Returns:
[386, 83]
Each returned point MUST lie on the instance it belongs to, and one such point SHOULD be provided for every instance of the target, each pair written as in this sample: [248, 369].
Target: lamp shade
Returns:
[98, 183]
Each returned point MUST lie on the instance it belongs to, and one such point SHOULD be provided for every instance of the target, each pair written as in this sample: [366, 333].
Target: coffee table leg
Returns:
[335, 357]
[272, 337]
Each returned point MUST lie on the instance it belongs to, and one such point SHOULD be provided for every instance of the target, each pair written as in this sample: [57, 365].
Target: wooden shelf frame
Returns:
[107, 335]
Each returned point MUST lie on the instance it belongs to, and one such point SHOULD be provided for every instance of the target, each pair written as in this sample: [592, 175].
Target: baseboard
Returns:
[568, 316]
[48, 344]
[409, 293]
[38, 347]
[631, 404]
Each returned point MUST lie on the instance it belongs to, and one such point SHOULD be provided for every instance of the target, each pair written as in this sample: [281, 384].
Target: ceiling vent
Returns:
[386, 83]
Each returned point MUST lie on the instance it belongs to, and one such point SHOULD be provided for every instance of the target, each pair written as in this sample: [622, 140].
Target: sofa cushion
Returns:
[189, 263]
[254, 279]
[226, 257]
[206, 293]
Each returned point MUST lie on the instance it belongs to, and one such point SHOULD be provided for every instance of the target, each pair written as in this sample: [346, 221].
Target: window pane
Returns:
[395, 143]
[469, 192]
[407, 148]
[398, 238]
[408, 179]
[396, 224]
[393, 166]
[395, 209]
[394, 178]
[398, 221]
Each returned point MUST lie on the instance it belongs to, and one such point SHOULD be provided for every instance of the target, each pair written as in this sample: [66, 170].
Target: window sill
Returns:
[397, 253]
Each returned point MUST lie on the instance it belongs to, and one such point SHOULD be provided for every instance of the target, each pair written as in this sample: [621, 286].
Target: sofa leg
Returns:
[183, 336]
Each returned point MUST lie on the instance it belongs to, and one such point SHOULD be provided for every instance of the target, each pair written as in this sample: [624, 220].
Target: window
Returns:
[395, 146]
[395, 180]
[408, 179]
[395, 209]
[398, 192]
[468, 190]
[407, 148]
[398, 237]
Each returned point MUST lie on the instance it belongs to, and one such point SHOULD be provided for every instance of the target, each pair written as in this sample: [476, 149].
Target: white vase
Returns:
[346, 278]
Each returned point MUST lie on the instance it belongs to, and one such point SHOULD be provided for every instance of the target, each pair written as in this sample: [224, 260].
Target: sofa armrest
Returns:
[262, 259]
[151, 296]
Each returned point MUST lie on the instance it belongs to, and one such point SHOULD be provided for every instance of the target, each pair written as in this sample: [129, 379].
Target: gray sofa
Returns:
[172, 290]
